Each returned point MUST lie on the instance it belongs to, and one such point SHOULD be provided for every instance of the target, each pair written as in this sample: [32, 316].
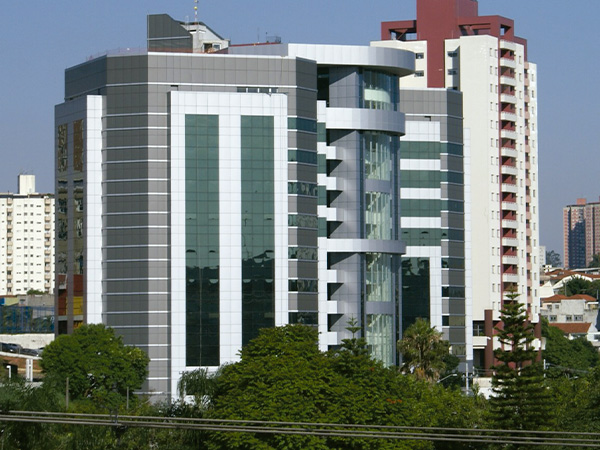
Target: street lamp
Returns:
[446, 377]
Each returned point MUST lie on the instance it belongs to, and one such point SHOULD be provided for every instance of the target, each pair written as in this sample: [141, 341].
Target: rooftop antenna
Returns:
[195, 11]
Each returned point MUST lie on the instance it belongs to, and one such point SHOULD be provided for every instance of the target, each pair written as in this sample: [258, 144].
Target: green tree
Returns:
[595, 262]
[553, 258]
[282, 376]
[97, 363]
[423, 350]
[577, 402]
[577, 285]
[565, 356]
[200, 384]
[521, 400]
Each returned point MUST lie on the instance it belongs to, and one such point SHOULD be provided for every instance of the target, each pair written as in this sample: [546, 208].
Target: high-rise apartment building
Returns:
[203, 196]
[481, 56]
[26, 240]
[581, 232]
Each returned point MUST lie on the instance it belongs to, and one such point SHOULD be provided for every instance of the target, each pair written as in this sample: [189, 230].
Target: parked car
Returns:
[11, 348]
[30, 351]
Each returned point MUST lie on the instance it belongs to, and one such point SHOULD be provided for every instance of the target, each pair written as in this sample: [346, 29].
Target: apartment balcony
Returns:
[509, 81]
[334, 276]
[330, 214]
[512, 188]
[512, 224]
[508, 45]
[507, 98]
[510, 116]
[47, 251]
[330, 183]
[9, 235]
[506, 62]
[333, 154]
[510, 242]
[510, 259]
[510, 277]
[509, 152]
[47, 276]
[508, 134]
[47, 226]
[47, 210]
[505, 169]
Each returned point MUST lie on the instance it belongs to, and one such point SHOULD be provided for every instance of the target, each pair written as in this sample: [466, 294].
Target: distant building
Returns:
[576, 316]
[26, 240]
[554, 281]
[581, 231]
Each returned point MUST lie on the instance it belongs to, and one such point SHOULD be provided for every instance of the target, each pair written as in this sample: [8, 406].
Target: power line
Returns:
[548, 438]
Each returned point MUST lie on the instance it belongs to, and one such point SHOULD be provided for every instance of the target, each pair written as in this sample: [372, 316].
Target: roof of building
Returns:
[573, 328]
[557, 298]
[559, 274]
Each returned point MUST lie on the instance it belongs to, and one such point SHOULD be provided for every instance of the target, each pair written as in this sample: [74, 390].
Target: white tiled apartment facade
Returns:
[481, 57]
[26, 240]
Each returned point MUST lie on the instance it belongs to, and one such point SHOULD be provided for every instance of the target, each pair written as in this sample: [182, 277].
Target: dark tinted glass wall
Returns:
[202, 239]
[415, 290]
[258, 226]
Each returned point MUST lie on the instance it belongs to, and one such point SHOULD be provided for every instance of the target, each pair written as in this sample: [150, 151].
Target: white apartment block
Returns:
[26, 240]
[481, 57]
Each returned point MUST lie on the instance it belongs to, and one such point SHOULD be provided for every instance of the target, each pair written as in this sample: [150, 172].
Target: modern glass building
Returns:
[207, 195]
[432, 215]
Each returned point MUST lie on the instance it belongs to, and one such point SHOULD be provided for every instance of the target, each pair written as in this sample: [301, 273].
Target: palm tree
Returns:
[423, 351]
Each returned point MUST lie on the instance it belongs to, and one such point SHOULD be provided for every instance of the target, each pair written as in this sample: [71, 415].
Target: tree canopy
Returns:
[553, 258]
[96, 362]
[565, 356]
[595, 262]
[282, 376]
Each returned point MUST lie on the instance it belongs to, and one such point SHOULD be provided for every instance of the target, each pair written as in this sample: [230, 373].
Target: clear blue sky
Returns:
[38, 40]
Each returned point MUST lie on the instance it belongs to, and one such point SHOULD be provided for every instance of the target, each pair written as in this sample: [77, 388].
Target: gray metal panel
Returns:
[302, 172]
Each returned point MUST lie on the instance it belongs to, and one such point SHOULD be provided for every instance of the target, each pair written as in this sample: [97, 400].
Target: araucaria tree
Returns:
[521, 399]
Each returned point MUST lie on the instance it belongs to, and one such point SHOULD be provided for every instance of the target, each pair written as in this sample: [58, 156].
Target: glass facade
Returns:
[378, 215]
[378, 149]
[258, 226]
[379, 153]
[62, 225]
[77, 236]
[415, 290]
[379, 335]
[202, 239]
[380, 90]
[379, 278]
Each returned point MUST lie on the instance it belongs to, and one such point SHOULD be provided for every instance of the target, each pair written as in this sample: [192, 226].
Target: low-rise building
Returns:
[576, 316]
